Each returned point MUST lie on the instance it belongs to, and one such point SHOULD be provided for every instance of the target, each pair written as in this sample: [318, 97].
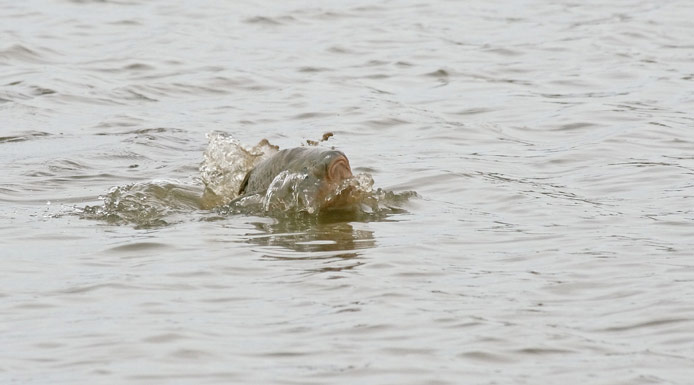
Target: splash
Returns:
[298, 192]
[290, 195]
[225, 163]
[145, 205]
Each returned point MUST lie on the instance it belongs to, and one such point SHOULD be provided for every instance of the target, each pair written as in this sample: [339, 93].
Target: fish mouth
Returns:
[339, 170]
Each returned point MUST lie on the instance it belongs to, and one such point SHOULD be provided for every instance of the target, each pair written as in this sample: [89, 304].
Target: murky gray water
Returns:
[551, 145]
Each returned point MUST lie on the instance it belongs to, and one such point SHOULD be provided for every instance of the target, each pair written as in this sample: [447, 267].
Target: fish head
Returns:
[334, 192]
[337, 168]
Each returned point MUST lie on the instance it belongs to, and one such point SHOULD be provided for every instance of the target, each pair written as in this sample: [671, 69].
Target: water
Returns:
[550, 145]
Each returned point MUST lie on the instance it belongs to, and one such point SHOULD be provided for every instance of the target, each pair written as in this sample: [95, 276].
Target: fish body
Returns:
[323, 168]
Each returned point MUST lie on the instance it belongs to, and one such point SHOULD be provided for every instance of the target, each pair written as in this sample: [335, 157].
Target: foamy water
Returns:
[550, 145]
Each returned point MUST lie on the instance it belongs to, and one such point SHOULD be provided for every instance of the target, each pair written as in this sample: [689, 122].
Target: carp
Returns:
[323, 171]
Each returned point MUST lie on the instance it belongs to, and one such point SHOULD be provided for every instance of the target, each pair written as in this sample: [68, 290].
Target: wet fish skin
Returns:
[326, 166]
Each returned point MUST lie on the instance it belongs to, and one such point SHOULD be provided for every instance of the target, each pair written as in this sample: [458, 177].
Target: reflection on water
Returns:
[306, 237]
[328, 240]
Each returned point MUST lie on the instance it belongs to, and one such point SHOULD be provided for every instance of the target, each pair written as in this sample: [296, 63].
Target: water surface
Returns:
[550, 145]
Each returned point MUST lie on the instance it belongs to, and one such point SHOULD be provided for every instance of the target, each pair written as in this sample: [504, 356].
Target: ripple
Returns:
[486, 357]
[310, 69]
[18, 90]
[138, 246]
[269, 21]
[26, 136]
[647, 325]
[387, 122]
[100, 286]
[20, 53]
[552, 146]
